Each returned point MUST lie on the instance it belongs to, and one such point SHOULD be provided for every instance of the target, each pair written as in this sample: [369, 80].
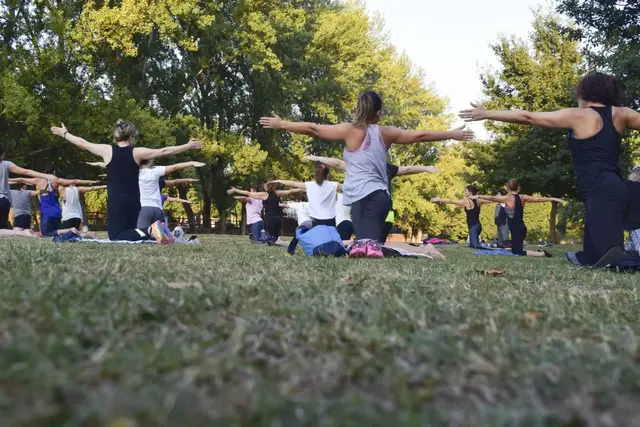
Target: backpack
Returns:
[321, 240]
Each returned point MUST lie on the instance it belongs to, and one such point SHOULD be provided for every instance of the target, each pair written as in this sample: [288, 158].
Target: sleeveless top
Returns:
[500, 215]
[50, 202]
[366, 168]
[272, 205]
[122, 177]
[598, 156]
[517, 213]
[71, 208]
[473, 215]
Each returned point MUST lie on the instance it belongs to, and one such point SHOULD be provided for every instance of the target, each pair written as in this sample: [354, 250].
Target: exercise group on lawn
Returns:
[359, 209]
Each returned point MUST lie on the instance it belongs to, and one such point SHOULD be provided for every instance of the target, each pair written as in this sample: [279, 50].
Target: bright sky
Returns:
[449, 39]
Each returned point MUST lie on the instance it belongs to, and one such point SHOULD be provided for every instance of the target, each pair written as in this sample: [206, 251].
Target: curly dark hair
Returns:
[601, 88]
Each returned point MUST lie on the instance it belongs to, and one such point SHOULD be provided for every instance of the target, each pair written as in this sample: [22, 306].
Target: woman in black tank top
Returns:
[271, 203]
[595, 130]
[472, 210]
[515, 215]
[122, 162]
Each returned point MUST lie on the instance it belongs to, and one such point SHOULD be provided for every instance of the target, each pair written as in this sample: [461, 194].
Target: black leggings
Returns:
[122, 218]
[518, 235]
[345, 228]
[329, 222]
[368, 215]
[272, 225]
[5, 205]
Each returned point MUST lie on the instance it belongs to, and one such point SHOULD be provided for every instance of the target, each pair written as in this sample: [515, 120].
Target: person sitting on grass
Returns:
[633, 243]
[471, 207]
[21, 203]
[515, 202]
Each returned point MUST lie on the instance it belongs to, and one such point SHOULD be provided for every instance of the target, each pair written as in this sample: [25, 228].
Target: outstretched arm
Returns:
[242, 199]
[464, 203]
[28, 172]
[97, 164]
[328, 132]
[294, 184]
[175, 199]
[89, 189]
[67, 182]
[532, 199]
[632, 119]
[179, 166]
[174, 182]
[494, 199]
[392, 135]
[253, 195]
[101, 150]
[141, 153]
[332, 162]
[567, 118]
[412, 170]
[287, 193]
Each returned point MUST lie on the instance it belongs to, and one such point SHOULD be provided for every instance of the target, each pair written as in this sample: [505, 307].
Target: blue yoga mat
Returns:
[495, 252]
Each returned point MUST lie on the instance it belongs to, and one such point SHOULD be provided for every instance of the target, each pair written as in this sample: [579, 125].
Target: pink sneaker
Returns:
[358, 250]
[374, 250]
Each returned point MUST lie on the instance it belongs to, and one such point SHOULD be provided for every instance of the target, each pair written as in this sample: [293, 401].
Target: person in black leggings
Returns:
[515, 215]
[271, 203]
[122, 161]
[472, 209]
[595, 130]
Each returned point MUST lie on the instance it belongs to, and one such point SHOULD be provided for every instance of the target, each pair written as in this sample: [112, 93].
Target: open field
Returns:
[229, 333]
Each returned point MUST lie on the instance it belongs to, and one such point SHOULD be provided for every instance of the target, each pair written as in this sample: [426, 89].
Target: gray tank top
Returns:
[366, 168]
[21, 202]
[5, 190]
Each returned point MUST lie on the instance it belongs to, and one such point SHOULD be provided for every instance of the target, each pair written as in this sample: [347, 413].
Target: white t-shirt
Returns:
[302, 212]
[343, 213]
[71, 208]
[148, 180]
[322, 199]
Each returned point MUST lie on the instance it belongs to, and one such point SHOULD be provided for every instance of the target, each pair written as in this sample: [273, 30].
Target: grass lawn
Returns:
[94, 335]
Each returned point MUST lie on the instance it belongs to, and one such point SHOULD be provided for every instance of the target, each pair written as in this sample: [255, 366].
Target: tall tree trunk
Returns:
[206, 213]
[223, 221]
[182, 192]
[553, 238]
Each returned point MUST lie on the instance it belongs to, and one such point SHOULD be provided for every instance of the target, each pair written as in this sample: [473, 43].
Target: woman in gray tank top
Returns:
[21, 203]
[365, 188]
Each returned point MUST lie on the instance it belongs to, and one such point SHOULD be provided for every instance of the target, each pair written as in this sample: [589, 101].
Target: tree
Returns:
[540, 76]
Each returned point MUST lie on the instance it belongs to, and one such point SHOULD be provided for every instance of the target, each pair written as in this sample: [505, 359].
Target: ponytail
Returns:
[322, 172]
[369, 105]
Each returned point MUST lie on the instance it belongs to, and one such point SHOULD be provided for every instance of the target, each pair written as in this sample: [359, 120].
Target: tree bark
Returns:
[182, 192]
[223, 222]
[553, 238]
[206, 213]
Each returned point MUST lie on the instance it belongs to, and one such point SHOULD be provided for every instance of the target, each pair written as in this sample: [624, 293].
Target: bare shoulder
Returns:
[354, 136]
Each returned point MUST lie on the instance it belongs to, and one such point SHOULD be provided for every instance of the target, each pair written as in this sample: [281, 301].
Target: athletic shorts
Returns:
[22, 221]
[71, 223]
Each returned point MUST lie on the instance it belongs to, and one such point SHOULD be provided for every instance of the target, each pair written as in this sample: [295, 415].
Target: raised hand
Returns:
[274, 122]
[478, 112]
[232, 190]
[436, 200]
[195, 144]
[462, 134]
[59, 131]
[432, 169]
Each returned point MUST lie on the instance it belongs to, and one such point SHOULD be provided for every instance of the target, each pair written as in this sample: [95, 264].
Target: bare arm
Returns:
[328, 132]
[392, 135]
[632, 119]
[179, 166]
[175, 199]
[531, 199]
[464, 203]
[568, 118]
[412, 170]
[33, 174]
[242, 199]
[294, 184]
[142, 153]
[97, 164]
[332, 162]
[35, 193]
[287, 193]
[253, 195]
[89, 189]
[494, 199]
[67, 182]
[101, 150]
[174, 182]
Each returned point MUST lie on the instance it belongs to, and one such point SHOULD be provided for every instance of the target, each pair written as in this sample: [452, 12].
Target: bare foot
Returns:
[433, 252]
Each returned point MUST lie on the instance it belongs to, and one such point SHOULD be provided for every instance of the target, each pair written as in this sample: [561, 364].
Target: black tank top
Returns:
[473, 215]
[272, 205]
[595, 157]
[518, 210]
[122, 176]
[501, 215]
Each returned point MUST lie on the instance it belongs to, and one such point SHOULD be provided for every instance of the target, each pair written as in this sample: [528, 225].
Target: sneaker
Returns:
[167, 233]
[374, 250]
[158, 234]
[358, 250]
